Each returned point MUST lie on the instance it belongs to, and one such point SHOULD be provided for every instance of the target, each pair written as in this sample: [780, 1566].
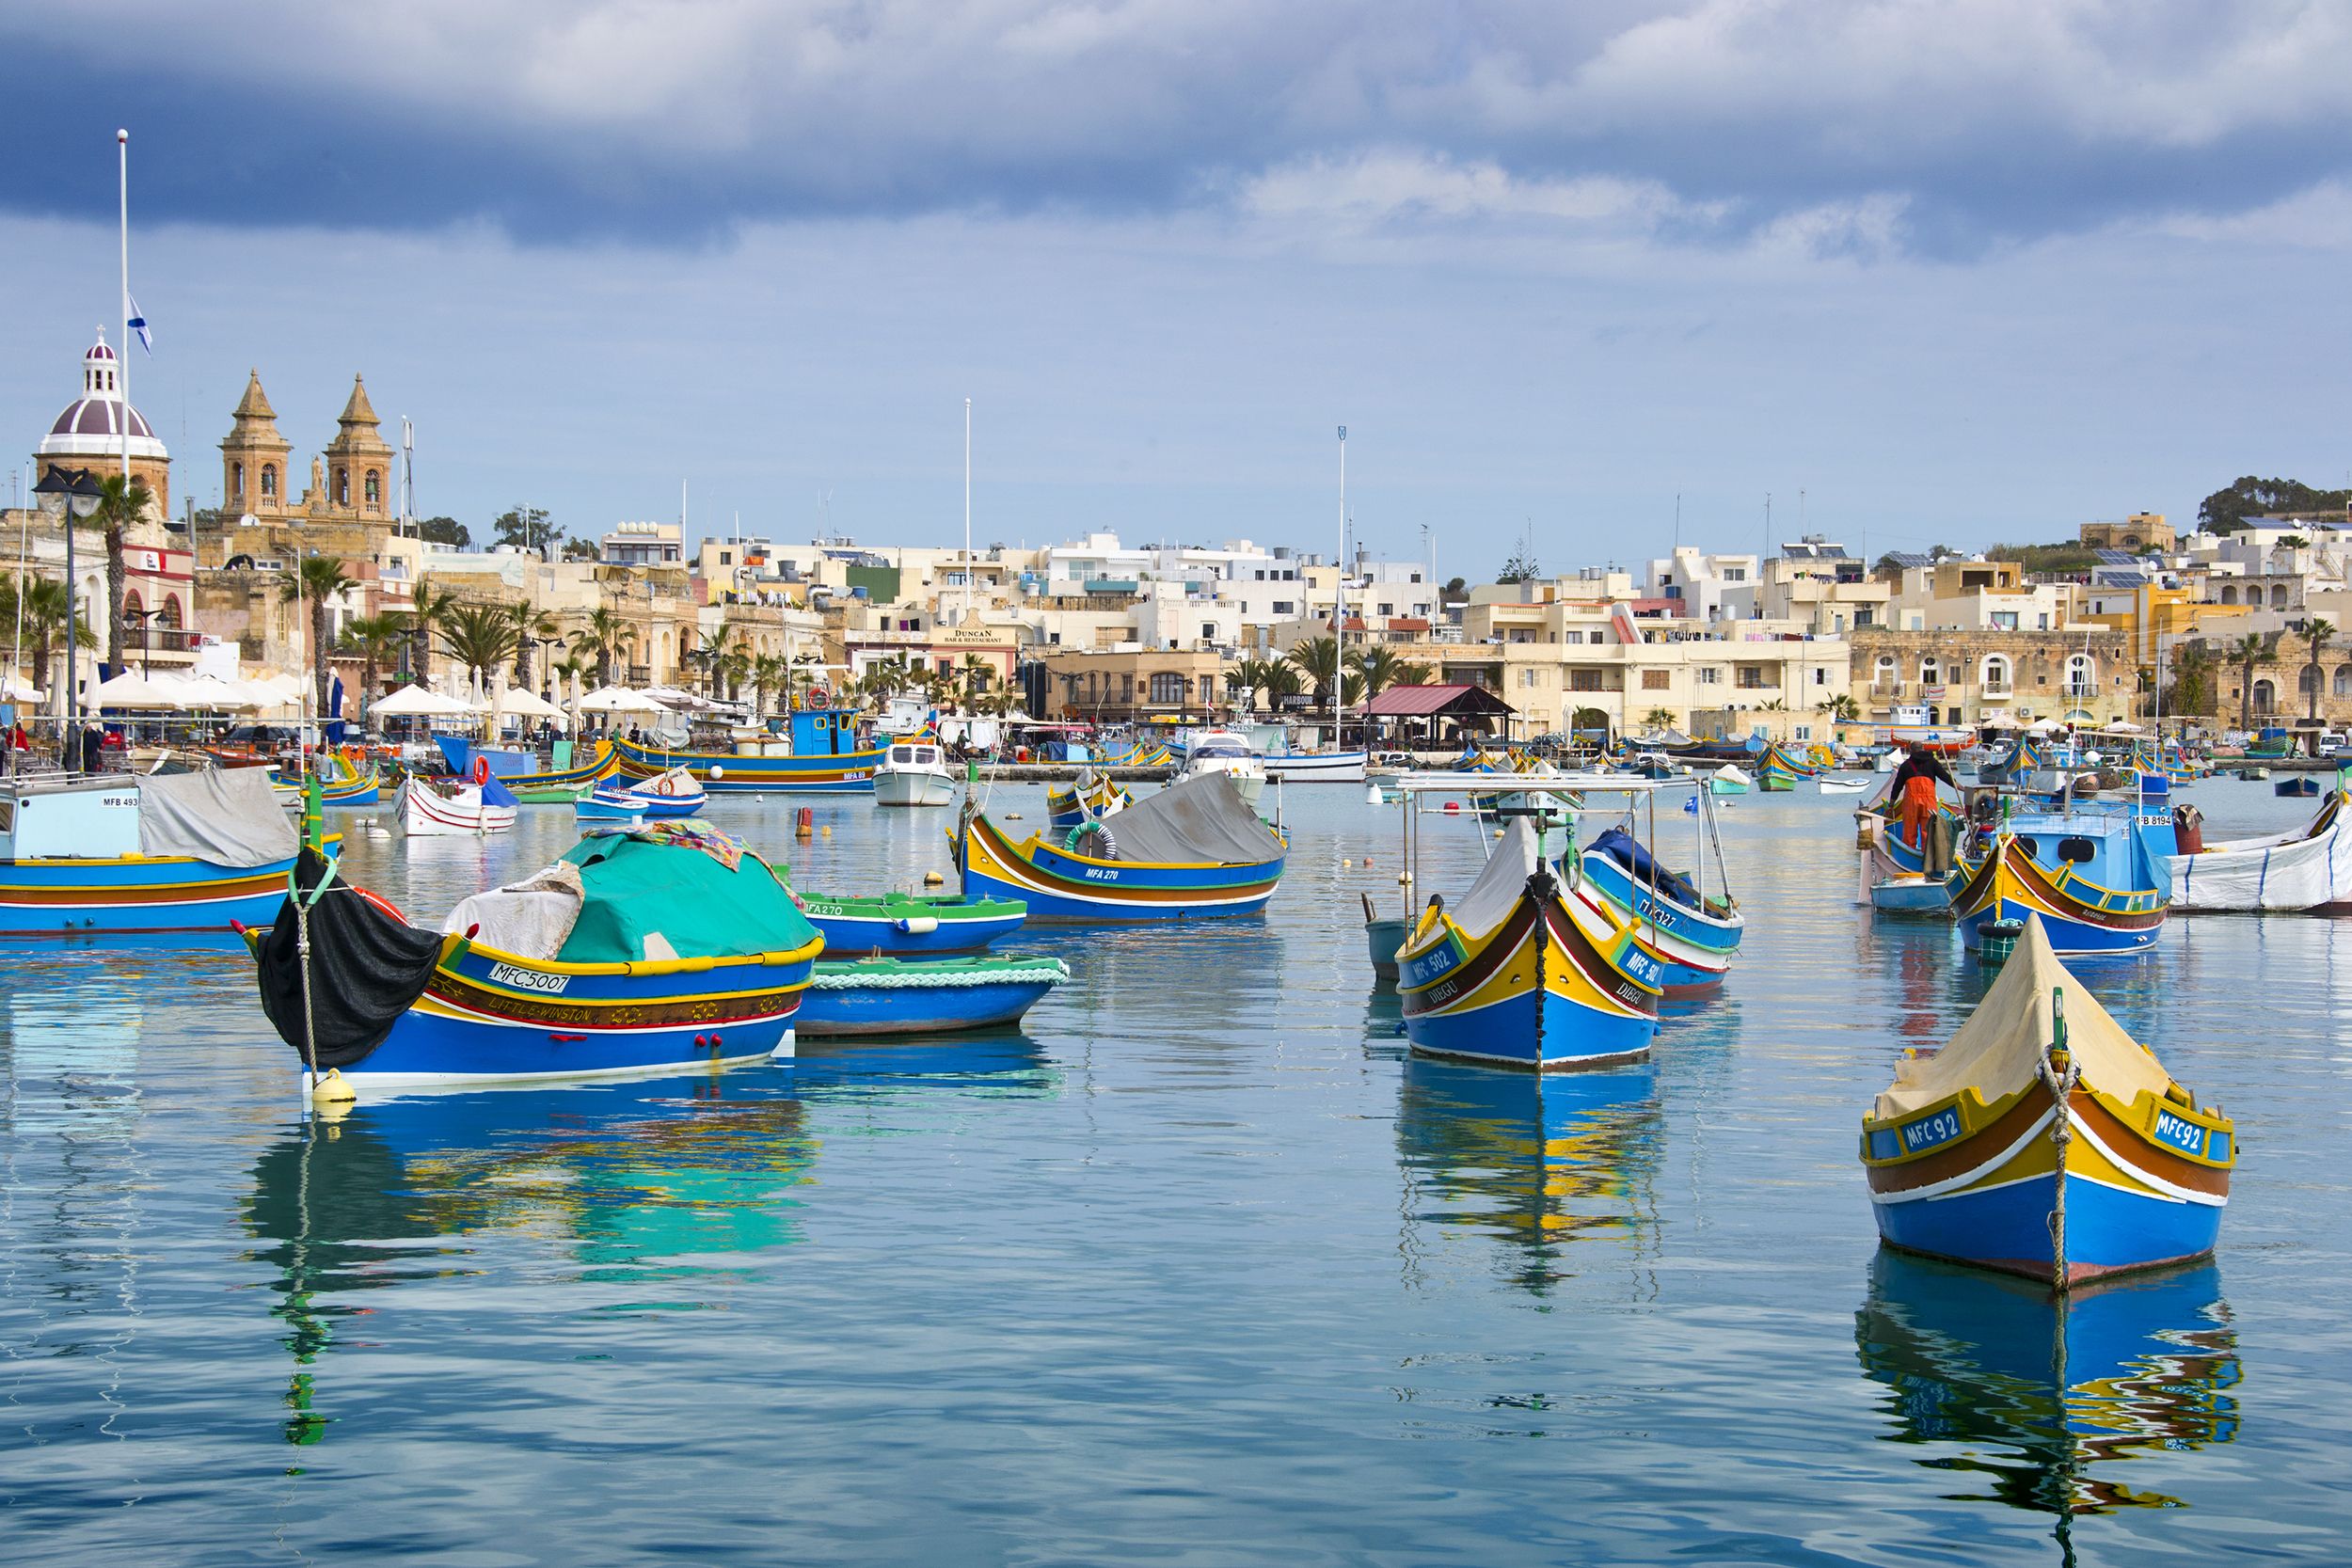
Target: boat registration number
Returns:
[1644, 968]
[1425, 967]
[1101, 874]
[528, 979]
[1929, 1132]
[2186, 1136]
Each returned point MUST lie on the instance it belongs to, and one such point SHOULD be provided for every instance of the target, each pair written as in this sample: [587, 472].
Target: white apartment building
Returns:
[1699, 582]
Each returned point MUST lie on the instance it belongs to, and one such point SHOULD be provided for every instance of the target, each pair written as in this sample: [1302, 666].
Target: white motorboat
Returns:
[914, 773]
[441, 810]
[1223, 751]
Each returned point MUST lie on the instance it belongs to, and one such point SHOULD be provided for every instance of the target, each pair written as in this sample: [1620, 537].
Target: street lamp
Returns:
[68, 495]
[138, 621]
[547, 663]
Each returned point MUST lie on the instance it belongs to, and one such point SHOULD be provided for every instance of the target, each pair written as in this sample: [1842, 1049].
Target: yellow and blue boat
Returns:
[1692, 937]
[1520, 973]
[1779, 769]
[565, 784]
[1193, 851]
[2097, 873]
[164, 852]
[821, 756]
[1091, 794]
[2044, 1141]
[643, 951]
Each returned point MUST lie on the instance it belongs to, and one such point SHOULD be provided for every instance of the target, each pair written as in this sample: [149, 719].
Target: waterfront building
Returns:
[1994, 675]
[90, 432]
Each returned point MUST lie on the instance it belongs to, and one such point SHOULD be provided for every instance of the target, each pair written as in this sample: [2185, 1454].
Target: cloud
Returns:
[1855, 126]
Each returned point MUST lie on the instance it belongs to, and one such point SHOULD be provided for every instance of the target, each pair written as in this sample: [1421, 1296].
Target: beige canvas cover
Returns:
[1998, 1050]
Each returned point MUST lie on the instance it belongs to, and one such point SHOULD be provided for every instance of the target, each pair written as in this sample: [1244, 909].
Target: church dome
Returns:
[91, 425]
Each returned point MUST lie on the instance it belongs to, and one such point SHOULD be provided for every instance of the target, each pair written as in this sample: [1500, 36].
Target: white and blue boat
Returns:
[2097, 873]
[165, 852]
[674, 794]
[865, 997]
[909, 924]
[1692, 937]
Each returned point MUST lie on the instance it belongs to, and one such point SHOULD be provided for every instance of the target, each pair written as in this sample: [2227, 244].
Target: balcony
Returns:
[160, 640]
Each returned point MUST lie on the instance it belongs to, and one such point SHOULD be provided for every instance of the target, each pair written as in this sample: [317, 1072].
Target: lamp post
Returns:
[140, 620]
[68, 495]
[546, 664]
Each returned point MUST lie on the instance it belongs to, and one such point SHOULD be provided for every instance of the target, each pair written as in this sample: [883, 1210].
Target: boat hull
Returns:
[1062, 888]
[1319, 766]
[912, 787]
[853, 1000]
[722, 772]
[2009, 885]
[850, 929]
[1988, 1198]
[1693, 948]
[1536, 993]
[426, 814]
[49, 897]
[2307, 871]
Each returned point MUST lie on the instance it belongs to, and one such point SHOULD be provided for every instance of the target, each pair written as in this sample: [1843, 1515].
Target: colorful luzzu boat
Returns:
[1520, 973]
[562, 785]
[2091, 872]
[675, 794]
[1193, 851]
[1092, 795]
[1692, 938]
[646, 951]
[821, 756]
[1779, 769]
[165, 852]
[907, 925]
[2308, 869]
[931, 996]
[439, 808]
[342, 783]
[2044, 1141]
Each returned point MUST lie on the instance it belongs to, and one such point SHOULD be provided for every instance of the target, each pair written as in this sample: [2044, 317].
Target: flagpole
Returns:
[967, 512]
[122, 362]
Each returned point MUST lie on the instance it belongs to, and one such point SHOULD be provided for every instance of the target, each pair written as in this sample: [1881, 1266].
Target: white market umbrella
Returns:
[574, 703]
[529, 705]
[211, 694]
[130, 690]
[13, 689]
[617, 698]
[420, 701]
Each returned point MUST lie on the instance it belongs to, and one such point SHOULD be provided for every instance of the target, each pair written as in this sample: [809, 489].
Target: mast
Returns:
[1339, 616]
[407, 475]
[122, 362]
[967, 512]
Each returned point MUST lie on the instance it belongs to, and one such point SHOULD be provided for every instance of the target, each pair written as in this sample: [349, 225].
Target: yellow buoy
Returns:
[1498, 833]
[1346, 863]
[933, 879]
[333, 1089]
[1403, 879]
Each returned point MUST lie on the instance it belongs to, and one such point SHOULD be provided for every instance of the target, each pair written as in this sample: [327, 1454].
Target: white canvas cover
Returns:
[1490, 899]
[1202, 820]
[228, 817]
[1998, 1050]
[2300, 870]
[529, 919]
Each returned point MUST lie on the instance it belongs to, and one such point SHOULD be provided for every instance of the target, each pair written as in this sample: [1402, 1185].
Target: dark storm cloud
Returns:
[1974, 120]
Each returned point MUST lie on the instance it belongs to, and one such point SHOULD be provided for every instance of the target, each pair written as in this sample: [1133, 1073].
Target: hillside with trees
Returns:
[2226, 511]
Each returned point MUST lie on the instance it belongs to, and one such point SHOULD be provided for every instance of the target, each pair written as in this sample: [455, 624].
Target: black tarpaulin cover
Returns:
[366, 968]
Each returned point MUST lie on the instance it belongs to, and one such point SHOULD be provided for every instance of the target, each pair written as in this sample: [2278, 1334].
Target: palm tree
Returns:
[529, 622]
[606, 634]
[2189, 668]
[480, 637]
[770, 672]
[1380, 667]
[425, 610]
[315, 579]
[2247, 653]
[377, 637]
[1317, 659]
[122, 502]
[2318, 632]
[1659, 718]
[974, 676]
[1414, 674]
[734, 666]
[1842, 708]
[44, 610]
[568, 668]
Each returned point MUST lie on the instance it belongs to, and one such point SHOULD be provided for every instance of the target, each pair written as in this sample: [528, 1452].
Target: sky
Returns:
[1602, 276]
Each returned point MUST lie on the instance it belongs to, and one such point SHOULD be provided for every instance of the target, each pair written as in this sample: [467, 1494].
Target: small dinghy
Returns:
[2044, 1141]
[1829, 784]
[433, 808]
[865, 997]
[907, 925]
[674, 794]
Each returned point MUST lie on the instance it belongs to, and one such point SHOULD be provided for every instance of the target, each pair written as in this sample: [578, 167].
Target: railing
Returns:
[161, 640]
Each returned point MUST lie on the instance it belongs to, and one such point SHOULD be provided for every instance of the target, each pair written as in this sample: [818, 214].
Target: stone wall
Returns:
[2036, 663]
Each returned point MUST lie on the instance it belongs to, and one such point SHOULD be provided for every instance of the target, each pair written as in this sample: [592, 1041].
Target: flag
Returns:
[138, 325]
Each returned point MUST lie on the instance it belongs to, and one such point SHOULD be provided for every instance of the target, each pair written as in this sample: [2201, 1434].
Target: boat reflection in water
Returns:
[632, 1179]
[2043, 1396]
[1541, 1160]
[1006, 1065]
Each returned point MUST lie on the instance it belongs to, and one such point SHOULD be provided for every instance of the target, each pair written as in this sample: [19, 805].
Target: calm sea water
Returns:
[1199, 1269]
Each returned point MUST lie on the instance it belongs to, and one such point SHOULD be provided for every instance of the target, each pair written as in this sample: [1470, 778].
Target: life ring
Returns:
[480, 771]
[1088, 829]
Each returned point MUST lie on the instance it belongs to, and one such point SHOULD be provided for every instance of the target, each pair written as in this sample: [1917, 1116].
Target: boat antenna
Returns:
[1339, 616]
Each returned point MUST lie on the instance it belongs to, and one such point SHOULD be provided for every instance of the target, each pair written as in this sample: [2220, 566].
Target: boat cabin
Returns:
[81, 818]
[917, 754]
[811, 732]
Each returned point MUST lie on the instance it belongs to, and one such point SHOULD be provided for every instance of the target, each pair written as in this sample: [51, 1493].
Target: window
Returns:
[1995, 675]
[2228, 595]
[2308, 682]
[1930, 671]
[2082, 675]
[269, 481]
[342, 486]
[1126, 688]
[2266, 697]
[2279, 596]
[2004, 620]
[1530, 676]
[1285, 606]
[375, 488]
[1735, 573]
[1584, 680]
[1821, 677]
[2344, 680]
[1711, 675]
[1208, 691]
[1168, 689]
[1657, 680]
[236, 480]
[1883, 673]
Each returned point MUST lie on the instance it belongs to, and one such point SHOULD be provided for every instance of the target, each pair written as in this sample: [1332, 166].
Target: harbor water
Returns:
[1198, 1268]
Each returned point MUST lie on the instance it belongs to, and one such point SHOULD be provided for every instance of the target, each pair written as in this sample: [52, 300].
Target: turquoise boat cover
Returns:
[648, 899]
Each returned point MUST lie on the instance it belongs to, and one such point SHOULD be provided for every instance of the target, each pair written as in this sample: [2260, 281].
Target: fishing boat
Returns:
[908, 924]
[818, 754]
[2045, 1394]
[638, 952]
[2297, 786]
[1909, 725]
[914, 773]
[342, 783]
[109, 853]
[675, 794]
[2044, 1141]
[1383, 935]
[444, 808]
[2308, 869]
[1091, 794]
[564, 784]
[1692, 938]
[1780, 769]
[1223, 751]
[864, 997]
[2090, 870]
[1829, 784]
[1193, 851]
[460, 752]
[1727, 780]
[1516, 973]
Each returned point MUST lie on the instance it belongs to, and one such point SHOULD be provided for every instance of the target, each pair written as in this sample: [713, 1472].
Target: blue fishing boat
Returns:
[818, 754]
[164, 852]
[2096, 872]
[2044, 1141]
[1090, 795]
[1193, 851]
[1692, 938]
[927, 996]
[564, 781]
[1518, 973]
[648, 950]
[908, 924]
[461, 753]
